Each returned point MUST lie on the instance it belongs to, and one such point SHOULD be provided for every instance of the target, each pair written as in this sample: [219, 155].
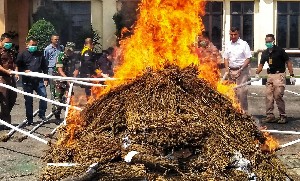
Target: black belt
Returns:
[234, 68]
[270, 71]
[278, 72]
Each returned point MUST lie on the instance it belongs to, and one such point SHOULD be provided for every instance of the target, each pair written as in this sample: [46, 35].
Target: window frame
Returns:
[287, 15]
[241, 20]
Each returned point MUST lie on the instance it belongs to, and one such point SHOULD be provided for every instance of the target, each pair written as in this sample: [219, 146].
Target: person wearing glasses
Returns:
[277, 60]
[7, 96]
[237, 56]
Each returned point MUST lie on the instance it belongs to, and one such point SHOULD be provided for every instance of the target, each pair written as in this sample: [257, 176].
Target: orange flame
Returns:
[271, 144]
[165, 33]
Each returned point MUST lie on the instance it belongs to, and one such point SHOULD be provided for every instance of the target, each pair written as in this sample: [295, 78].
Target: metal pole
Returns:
[37, 126]
[37, 96]
[12, 131]
[68, 102]
[23, 132]
[246, 83]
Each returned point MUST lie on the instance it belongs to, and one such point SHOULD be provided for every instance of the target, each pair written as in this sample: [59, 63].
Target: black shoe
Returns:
[29, 123]
[58, 119]
[43, 118]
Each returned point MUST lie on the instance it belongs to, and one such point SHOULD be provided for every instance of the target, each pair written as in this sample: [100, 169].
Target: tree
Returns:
[54, 13]
[41, 31]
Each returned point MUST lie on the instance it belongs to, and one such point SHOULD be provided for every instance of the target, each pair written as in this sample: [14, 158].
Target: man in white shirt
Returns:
[236, 60]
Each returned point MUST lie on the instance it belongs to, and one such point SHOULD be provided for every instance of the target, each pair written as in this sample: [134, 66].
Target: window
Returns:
[213, 22]
[242, 16]
[288, 22]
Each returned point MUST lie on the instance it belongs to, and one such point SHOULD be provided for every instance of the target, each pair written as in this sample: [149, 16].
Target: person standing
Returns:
[88, 63]
[105, 63]
[7, 96]
[276, 58]
[237, 56]
[61, 69]
[51, 52]
[32, 60]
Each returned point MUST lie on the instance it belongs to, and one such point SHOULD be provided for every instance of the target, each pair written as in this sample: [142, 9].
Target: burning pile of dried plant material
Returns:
[173, 125]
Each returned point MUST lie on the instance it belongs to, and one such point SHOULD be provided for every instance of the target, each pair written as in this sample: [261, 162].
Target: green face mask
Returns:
[269, 45]
[7, 46]
[32, 48]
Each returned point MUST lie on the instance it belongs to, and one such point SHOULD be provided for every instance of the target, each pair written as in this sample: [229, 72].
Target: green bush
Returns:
[41, 31]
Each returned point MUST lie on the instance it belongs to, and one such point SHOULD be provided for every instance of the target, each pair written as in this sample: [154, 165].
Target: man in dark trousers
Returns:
[7, 96]
[32, 60]
[277, 60]
[87, 64]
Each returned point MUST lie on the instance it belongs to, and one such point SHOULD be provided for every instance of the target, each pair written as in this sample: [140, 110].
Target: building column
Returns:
[109, 27]
[102, 13]
[265, 23]
[3, 15]
[97, 17]
[23, 22]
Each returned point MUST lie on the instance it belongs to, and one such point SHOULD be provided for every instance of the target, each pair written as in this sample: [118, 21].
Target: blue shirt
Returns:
[51, 53]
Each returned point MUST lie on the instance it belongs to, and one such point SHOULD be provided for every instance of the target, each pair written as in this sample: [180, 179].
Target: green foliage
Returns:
[53, 12]
[41, 31]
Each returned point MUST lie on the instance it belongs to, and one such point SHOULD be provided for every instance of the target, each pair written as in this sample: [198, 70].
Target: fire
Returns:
[164, 34]
[271, 144]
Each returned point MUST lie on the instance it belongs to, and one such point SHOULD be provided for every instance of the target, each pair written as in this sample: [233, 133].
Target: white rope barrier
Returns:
[39, 97]
[23, 132]
[282, 132]
[295, 93]
[41, 75]
[290, 143]
[68, 102]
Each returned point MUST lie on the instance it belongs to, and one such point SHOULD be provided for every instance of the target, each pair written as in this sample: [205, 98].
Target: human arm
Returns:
[17, 76]
[290, 67]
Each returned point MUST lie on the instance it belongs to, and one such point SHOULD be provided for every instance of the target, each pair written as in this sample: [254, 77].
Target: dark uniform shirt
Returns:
[276, 59]
[6, 60]
[105, 65]
[88, 62]
[35, 62]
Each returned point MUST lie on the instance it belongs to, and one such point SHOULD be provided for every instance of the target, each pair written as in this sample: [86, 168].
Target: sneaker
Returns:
[282, 120]
[270, 119]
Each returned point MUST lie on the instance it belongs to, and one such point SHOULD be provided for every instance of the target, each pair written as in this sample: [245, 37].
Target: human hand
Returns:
[238, 73]
[257, 76]
[26, 71]
[104, 75]
[17, 77]
[46, 83]
[293, 80]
